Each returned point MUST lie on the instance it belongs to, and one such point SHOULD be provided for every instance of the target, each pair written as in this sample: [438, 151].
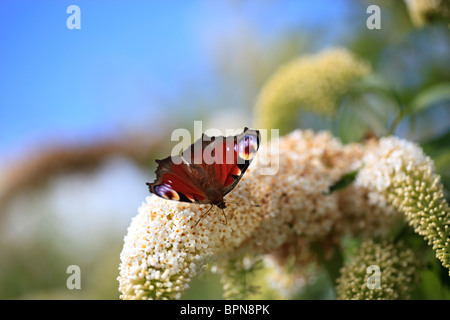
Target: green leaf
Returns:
[375, 83]
[442, 163]
[430, 97]
[345, 180]
[431, 147]
[439, 150]
[443, 276]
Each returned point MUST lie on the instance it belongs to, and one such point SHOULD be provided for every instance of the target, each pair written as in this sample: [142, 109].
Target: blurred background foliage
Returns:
[84, 113]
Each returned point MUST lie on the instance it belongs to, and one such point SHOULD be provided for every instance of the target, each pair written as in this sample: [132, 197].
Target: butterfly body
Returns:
[211, 188]
[207, 170]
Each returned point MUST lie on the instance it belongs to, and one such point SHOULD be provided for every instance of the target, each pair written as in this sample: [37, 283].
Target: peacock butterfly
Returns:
[207, 170]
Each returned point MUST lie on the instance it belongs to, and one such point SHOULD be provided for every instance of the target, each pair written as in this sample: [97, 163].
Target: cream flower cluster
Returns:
[297, 216]
[362, 217]
[397, 265]
[306, 83]
[398, 173]
[296, 201]
[427, 11]
[163, 250]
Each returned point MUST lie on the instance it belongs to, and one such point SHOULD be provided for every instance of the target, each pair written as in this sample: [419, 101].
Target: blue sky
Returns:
[57, 83]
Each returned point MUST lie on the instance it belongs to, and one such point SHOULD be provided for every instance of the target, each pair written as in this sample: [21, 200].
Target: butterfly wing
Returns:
[174, 181]
[242, 149]
[224, 159]
[207, 170]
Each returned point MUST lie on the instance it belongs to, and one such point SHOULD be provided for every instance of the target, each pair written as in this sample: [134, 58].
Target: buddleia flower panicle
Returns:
[363, 218]
[164, 248]
[297, 201]
[312, 83]
[428, 11]
[398, 272]
[399, 174]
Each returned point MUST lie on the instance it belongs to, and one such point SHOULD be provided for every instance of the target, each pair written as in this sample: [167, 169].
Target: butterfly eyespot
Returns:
[248, 146]
[167, 193]
[235, 171]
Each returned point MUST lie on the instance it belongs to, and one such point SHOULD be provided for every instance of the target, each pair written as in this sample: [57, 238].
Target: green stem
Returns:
[396, 122]
[332, 265]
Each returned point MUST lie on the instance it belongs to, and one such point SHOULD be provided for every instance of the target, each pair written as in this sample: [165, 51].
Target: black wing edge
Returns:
[243, 166]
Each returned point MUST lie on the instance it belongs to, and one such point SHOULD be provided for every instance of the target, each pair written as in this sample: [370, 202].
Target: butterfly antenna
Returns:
[201, 217]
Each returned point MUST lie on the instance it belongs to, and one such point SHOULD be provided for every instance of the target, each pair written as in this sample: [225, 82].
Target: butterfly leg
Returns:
[226, 220]
[201, 217]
